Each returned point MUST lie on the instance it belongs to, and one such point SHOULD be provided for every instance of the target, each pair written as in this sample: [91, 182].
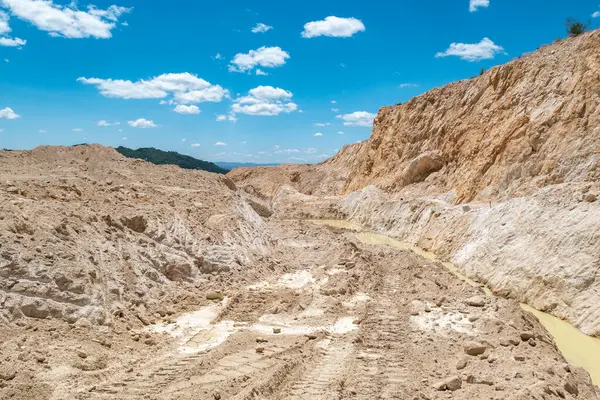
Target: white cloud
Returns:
[311, 150]
[340, 133]
[333, 102]
[261, 72]
[219, 56]
[187, 110]
[261, 28]
[8, 113]
[4, 27]
[486, 49]
[67, 21]
[77, 130]
[104, 123]
[475, 4]
[407, 85]
[213, 94]
[596, 14]
[358, 118]
[124, 138]
[185, 87]
[287, 151]
[221, 117]
[6, 60]
[266, 57]
[42, 131]
[264, 100]
[10, 42]
[220, 144]
[142, 123]
[195, 145]
[322, 124]
[183, 140]
[333, 27]
[318, 134]
[335, 110]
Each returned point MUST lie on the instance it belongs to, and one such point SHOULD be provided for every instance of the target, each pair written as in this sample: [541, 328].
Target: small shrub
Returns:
[483, 70]
[575, 28]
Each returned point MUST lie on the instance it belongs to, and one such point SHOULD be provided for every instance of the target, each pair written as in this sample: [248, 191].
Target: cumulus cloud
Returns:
[187, 110]
[261, 28]
[261, 72]
[264, 100]
[8, 113]
[358, 118]
[334, 27]
[10, 42]
[221, 117]
[195, 145]
[340, 133]
[475, 4]
[42, 131]
[333, 102]
[220, 144]
[184, 87]
[596, 14]
[4, 27]
[67, 21]
[335, 110]
[322, 124]
[104, 123]
[484, 50]
[311, 150]
[266, 57]
[142, 123]
[318, 134]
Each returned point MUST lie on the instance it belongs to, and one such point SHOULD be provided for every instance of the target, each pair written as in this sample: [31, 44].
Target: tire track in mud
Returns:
[324, 380]
[379, 363]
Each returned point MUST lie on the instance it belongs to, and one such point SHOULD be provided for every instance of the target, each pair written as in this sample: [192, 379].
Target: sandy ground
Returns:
[343, 320]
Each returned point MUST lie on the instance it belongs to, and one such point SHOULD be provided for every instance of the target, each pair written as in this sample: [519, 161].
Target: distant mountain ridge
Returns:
[160, 157]
[231, 165]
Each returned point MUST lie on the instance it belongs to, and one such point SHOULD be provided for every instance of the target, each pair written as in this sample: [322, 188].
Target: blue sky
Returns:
[228, 93]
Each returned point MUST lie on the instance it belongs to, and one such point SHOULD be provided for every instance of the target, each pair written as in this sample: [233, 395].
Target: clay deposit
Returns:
[124, 280]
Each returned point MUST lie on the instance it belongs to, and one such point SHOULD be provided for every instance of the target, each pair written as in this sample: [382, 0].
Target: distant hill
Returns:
[160, 157]
[231, 165]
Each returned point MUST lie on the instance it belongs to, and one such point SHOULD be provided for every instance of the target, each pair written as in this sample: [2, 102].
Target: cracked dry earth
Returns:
[353, 321]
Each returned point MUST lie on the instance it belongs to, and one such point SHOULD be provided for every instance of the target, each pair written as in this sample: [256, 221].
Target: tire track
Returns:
[379, 364]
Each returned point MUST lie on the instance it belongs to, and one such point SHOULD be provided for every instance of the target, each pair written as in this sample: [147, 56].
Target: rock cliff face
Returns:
[498, 174]
[527, 124]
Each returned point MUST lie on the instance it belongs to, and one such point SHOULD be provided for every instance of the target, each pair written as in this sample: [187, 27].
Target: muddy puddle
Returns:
[578, 348]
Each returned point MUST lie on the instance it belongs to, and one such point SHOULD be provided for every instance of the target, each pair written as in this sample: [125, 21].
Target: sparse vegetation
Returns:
[483, 70]
[160, 157]
[576, 28]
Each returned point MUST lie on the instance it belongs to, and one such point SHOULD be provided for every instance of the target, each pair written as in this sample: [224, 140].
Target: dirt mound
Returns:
[87, 234]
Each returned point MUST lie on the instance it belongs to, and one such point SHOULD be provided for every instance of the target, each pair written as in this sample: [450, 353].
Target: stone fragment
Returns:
[475, 349]
[451, 383]
[462, 363]
[525, 336]
[475, 301]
